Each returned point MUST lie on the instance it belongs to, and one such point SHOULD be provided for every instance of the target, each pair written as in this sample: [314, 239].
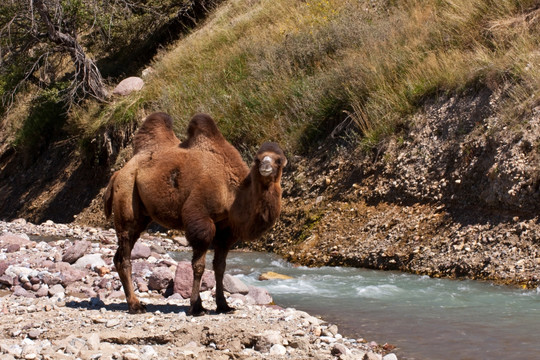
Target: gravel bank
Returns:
[77, 310]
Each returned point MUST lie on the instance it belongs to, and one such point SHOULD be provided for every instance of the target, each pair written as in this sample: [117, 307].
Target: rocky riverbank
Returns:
[62, 299]
[455, 195]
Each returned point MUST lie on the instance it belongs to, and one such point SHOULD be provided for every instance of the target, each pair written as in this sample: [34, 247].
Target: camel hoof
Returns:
[137, 309]
[200, 311]
[225, 309]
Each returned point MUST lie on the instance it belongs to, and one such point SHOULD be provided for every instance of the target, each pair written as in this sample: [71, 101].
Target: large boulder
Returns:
[68, 273]
[183, 280]
[10, 241]
[160, 279]
[76, 251]
[259, 296]
[234, 285]
[128, 85]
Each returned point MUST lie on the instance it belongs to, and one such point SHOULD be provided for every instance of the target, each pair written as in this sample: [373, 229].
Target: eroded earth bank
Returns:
[456, 195]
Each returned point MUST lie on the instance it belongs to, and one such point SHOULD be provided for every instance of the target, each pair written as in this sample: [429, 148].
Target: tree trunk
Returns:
[87, 78]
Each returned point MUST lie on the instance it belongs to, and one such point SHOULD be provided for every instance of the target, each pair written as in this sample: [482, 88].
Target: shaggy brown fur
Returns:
[202, 186]
[156, 131]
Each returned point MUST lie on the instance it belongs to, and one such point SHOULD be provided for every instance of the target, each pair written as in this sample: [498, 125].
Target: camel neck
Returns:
[256, 207]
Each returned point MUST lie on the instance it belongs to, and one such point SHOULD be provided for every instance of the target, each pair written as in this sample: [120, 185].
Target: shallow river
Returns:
[425, 318]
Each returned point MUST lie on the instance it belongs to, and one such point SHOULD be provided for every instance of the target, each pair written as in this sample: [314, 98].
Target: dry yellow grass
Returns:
[291, 70]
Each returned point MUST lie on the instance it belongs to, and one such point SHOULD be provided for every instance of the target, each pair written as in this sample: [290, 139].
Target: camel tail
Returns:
[108, 197]
[155, 131]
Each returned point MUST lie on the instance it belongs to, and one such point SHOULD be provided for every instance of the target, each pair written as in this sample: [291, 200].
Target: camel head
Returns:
[270, 161]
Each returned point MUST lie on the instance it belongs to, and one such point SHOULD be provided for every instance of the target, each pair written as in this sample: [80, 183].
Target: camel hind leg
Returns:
[122, 262]
[129, 222]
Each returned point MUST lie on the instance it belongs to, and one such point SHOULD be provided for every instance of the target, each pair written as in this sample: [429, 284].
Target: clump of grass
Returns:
[45, 119]
[290, 71]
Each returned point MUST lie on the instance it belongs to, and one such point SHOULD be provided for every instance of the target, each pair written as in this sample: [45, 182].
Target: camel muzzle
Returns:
[266, 166]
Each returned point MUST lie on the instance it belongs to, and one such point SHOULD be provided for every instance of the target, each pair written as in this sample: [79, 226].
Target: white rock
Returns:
[111, 323]
[148, 353]
[93, 341]
[94, 260]
[278, 350]
[390, 357]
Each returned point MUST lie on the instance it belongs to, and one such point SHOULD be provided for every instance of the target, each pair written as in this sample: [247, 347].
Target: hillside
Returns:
[412, 130]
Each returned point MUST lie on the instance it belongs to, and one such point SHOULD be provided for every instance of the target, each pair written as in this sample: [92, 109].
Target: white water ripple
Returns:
[378, 291]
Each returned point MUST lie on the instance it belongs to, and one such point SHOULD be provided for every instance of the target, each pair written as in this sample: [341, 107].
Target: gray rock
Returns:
[112, 323]
[43, 291]
[372, 356]
[181, 240]
[92, 341]
[259, 296]
[268, 339]
[160, 279]
[301, 343]
[158, 249]
[34, 334]
[278, 350]
[20, 291]
[128, 85]
[3, 266]
[76, 251]
[140, 251]
[148, 353]
[11, 248]
[56, 289]
[13, 350]
[339, 349]
[71, 275]
[21, 240]
[234, 285]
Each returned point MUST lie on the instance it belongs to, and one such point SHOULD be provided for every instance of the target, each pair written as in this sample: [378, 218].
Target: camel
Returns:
[201, 186]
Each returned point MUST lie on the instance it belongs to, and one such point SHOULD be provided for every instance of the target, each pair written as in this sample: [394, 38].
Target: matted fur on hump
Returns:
[156, 131]
[202, 131]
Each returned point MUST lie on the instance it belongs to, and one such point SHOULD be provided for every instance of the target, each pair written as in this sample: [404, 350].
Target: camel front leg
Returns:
[222, 243]
[220, 256]
[198, 265]
[122, 262]
[200, 231]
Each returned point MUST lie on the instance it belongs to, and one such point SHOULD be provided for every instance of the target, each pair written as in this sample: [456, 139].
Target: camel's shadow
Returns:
[96, 304]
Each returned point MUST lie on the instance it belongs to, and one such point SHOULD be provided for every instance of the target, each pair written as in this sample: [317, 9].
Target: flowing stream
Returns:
[425, 318]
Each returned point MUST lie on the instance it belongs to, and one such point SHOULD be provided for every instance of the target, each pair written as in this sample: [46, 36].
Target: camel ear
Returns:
[284, 161]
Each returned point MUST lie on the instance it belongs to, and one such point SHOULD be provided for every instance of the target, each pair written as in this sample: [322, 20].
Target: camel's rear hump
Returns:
[155, 131]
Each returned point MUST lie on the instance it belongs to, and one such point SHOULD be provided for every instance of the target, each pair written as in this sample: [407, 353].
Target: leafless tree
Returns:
[35, 36]
[47, 42]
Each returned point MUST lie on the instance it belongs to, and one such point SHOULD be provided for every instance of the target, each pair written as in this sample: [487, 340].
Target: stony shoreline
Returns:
[62, 299]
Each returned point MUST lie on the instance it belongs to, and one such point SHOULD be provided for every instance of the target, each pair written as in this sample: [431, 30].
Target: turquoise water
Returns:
[425, 318]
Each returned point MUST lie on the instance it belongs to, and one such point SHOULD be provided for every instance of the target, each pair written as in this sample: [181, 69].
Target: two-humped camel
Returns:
[202, 186]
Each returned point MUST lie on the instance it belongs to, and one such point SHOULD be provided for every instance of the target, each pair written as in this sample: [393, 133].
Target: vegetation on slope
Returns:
[292, 71]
